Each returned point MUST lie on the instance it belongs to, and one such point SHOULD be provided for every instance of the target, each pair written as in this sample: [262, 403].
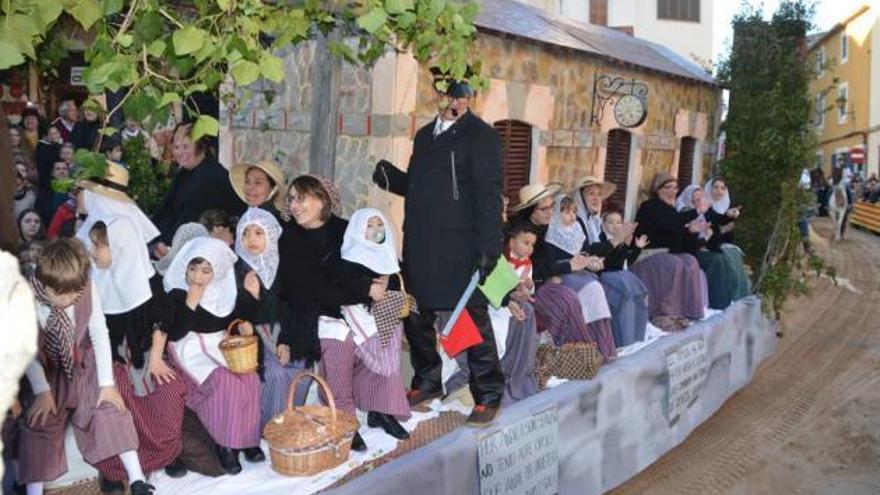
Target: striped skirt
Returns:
[276, 385]
[158, 418]
[101, 432]
[676, 285]
[559, 312]
[228, 405]
[354, 385]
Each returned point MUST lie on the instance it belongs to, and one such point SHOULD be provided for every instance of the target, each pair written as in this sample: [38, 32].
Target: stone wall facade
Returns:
[550, 88]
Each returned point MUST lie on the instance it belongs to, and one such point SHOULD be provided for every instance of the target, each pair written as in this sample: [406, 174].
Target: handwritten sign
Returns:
[687, 365]
[523, 458]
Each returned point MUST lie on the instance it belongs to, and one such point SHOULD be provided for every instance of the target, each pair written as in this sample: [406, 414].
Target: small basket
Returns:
[240, 351]
[307, 440]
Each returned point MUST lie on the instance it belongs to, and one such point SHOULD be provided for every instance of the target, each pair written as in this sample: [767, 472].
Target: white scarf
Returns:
[125, 285]
[721, 206]
[219, 297]
[569, 239]
[593, 222]
[100, 208]
[265, 263]
[685, 200]
[380, 258]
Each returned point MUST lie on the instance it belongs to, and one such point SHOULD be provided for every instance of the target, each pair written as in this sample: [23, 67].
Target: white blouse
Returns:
[99, 335]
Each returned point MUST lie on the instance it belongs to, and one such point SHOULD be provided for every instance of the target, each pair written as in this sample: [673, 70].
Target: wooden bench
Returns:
[866, 215]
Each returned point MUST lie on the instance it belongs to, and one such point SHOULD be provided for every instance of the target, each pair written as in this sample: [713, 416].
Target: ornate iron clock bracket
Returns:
[607, 87]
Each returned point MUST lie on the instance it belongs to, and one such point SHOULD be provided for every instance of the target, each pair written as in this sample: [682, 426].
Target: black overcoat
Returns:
[452, 209]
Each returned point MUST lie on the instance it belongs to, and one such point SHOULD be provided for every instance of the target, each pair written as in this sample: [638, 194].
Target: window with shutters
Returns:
[679, 10]
[617, 164]
[516, 139]
[686, 162]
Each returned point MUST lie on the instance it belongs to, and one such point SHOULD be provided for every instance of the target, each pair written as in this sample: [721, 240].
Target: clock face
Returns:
[630, 111]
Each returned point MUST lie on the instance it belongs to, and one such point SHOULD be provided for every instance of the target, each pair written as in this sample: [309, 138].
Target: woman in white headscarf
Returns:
[567, 237]
[204, 301]
[360, 352]
[722, 216]
[725, 274]
[256, 243]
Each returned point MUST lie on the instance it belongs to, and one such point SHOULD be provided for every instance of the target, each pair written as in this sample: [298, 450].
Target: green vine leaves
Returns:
[161, 52]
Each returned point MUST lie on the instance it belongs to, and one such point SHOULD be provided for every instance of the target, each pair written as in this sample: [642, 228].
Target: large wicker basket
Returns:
[307, 440]
[240, 351]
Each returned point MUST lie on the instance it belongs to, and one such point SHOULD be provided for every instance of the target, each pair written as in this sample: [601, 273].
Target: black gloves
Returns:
[384, 170]
[485, 265]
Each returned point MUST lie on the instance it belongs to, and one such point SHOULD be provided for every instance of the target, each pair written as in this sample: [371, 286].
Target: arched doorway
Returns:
[516, 140]
[617, 164]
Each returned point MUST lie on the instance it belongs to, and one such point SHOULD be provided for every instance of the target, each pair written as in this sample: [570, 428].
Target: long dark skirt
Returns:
[628, 300]
[559, 312]
[675, 285]
[726, 276]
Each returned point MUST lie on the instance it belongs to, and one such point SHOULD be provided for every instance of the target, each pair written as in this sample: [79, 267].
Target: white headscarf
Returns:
[265, 263]
[685, 200]
[380, 258]
[569, 239]
[721, 206]
[219, 297]
[100, 208]
[185, 232]
[125, 285]
[592, 222]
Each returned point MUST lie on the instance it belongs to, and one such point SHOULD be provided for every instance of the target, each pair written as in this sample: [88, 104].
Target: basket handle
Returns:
[232, 324]
[327, 393]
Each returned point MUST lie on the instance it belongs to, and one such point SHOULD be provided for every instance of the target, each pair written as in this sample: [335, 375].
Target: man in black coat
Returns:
[452, 227]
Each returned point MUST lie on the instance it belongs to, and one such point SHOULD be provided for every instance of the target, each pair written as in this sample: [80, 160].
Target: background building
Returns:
[847, 91]
[684, 26]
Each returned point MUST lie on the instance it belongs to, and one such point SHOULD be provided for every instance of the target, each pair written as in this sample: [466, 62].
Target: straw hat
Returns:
[608, 188]
[114, 185]
[238, 171]
[532, 194]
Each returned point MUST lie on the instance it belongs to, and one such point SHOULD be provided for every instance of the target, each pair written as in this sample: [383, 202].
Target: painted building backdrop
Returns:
[541, 70]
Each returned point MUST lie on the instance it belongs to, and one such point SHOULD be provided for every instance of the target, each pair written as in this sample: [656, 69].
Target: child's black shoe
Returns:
[358, 444]
[254, 454]
[111, 487]
[176, 469]
[229, 460]
[141, 488]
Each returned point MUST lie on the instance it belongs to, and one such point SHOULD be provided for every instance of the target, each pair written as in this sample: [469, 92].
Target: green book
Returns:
[500, 282]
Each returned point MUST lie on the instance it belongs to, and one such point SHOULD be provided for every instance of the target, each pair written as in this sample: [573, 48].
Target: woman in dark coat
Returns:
[676, 284]
[201, 183]
[309, 248]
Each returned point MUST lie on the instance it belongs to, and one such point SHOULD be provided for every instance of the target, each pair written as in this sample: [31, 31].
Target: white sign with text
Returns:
[687, 366]
[523, 458]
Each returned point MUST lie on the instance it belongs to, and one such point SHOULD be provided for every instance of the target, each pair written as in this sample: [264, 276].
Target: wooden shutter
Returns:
[686, 162]
[516, 139]
[617, 164]
[599, 12]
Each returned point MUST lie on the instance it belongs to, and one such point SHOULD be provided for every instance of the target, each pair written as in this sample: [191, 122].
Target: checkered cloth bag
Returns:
[572, 361]
[388, 313]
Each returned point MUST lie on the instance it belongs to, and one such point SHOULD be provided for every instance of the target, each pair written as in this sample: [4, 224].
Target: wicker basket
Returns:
[307, 440]
[240, 351]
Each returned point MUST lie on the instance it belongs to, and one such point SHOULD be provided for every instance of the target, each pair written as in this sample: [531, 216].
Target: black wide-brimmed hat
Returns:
[455, 88]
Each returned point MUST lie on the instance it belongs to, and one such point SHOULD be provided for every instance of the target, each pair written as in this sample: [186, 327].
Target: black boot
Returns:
[387, 423]
[176, 469]
[141, 488]
[228, 459]
[111, 487]
[358, 444]
[254, 454]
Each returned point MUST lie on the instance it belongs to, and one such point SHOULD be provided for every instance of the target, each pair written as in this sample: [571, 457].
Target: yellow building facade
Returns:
[842, 92]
